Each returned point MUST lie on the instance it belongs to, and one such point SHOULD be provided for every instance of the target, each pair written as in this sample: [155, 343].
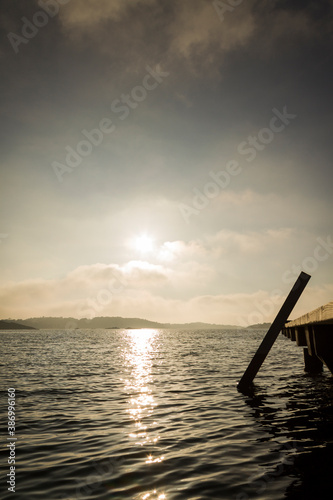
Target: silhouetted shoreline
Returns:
[12, 325]
[117, 322]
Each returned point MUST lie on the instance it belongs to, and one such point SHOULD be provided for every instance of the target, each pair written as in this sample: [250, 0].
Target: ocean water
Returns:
[155, 414]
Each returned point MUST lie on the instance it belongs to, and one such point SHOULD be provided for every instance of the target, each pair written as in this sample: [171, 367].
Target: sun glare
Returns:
[144, 243]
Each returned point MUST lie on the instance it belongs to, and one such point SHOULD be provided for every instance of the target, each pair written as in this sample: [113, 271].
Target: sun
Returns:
[144, 243]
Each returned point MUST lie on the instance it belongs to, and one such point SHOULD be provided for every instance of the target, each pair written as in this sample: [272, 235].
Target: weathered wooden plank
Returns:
[323, 314]
[273, 332]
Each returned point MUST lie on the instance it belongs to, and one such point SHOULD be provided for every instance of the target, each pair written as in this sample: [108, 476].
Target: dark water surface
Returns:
[155, 414]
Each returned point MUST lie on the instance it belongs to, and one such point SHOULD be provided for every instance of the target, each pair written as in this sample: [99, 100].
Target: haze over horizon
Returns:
[165, 160]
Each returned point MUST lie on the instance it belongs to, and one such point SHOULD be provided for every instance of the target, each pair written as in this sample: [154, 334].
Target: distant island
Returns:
[258, 326]
[13, 325]
[110, 323]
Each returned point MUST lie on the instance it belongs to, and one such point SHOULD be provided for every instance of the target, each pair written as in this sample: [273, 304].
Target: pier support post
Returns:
[273, 332]
[300, 336]
[312, 364]
[323, 341]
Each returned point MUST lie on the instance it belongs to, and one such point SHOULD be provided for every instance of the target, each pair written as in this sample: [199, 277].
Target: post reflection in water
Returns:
[139, 356]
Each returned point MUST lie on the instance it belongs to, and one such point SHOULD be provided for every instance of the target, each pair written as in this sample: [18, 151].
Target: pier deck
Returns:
[314, 332]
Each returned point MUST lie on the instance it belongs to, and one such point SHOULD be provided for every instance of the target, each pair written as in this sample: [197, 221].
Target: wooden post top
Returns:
[323, 314]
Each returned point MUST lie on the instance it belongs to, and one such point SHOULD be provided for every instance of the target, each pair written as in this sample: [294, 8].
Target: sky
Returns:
[168, 160]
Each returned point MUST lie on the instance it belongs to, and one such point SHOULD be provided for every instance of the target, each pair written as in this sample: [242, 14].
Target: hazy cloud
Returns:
[59, 298]
[89, 15]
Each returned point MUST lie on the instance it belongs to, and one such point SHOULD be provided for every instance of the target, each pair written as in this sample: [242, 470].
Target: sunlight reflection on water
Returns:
[140, 347]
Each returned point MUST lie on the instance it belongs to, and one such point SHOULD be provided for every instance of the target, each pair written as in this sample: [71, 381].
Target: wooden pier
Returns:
[314, 332]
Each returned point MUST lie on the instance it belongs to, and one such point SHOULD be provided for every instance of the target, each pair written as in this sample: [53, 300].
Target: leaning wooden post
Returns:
[273, 332]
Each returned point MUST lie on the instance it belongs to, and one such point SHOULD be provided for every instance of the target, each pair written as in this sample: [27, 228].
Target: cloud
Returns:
[122, 33]
[249, 242]
[226, 242]
[191, 31]
[140, 274]
[200, 38]
[181, 250]
[88, 16]
[134, 274]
